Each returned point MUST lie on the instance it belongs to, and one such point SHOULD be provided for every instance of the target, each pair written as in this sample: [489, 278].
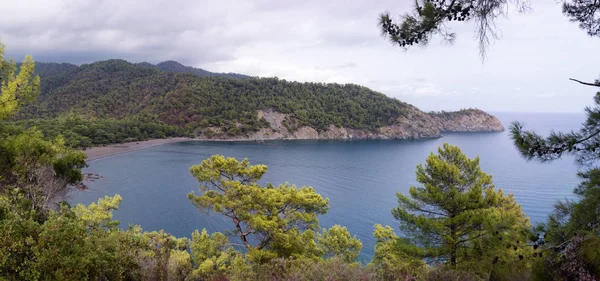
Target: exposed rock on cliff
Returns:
[415, 125]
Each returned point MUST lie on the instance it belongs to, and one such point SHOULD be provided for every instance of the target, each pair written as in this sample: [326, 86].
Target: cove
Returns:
[359, 177]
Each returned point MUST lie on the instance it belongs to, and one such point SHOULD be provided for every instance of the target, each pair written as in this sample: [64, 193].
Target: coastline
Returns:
[100, 152]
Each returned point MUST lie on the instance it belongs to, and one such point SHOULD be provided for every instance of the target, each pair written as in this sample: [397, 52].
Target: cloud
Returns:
[321, 41]
[339, 66]
[428, 91]
[546, 95]
[346, 65]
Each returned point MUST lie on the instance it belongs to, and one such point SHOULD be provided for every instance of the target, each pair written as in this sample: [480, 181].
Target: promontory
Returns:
[117, 101]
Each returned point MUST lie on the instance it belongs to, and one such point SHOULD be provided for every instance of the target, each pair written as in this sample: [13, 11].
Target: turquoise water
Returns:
[359, 177]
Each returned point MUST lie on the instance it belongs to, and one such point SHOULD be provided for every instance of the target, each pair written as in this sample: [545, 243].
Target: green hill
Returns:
[114, 101]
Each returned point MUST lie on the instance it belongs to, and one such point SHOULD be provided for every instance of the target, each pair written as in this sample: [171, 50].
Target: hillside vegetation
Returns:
[455, 224]
[116, 101]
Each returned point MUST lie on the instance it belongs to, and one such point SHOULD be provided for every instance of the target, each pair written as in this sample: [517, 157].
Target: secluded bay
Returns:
[359, 177]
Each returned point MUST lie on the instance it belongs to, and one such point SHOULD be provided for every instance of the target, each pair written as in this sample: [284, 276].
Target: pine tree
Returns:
[269, 221]
[457, 217]
[337, 242]
[42, 171]
[17, 86]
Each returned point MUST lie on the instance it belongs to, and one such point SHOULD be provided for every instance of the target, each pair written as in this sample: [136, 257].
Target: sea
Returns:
[360, 177]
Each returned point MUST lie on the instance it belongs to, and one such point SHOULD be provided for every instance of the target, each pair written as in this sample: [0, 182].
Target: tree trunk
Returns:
[236, 221]
[454, 246]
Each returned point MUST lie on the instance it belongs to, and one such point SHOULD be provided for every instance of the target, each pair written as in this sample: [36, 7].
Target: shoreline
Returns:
[101, 152]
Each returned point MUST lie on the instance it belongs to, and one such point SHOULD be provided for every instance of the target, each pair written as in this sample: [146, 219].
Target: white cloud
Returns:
[321, 41]
[546, 95]
[428, 91]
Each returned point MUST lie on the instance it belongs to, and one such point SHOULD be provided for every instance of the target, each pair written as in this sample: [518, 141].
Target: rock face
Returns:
[414, 125]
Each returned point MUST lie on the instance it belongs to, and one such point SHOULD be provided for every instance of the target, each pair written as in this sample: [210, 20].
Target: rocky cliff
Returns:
[415, 125]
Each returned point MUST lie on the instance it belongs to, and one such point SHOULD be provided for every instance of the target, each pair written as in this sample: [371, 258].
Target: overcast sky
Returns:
[323, 41]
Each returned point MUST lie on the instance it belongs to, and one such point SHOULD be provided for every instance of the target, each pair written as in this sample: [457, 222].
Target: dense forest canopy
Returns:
[116, 88]
[174, 102]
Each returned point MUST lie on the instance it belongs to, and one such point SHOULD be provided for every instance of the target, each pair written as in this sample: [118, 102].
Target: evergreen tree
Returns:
[390, 261]
[457, 217]
[269, 221]
[39, 170]
[569, 242]
[17, 86]
[213, 254]
[337, 242]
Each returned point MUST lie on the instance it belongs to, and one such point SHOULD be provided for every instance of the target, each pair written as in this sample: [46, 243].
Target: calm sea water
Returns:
[359, 177]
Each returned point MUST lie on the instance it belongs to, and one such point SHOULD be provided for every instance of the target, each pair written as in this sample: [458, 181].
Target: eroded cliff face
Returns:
[415, 125]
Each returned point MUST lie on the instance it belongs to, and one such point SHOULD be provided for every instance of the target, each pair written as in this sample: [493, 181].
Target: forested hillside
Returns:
[116, 101]
[175, 67]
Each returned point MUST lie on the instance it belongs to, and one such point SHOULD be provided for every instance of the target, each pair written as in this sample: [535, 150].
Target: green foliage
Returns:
[391, 262]
[80, 132]
[175, 67]
[43, 171]
[16, 87]
[569, 240]
[118, 90]
[337, 242]
[99, 215]
[165, 255]
[270, 221]
[571, 237]
[309, 270]
[43, 238]
[458, 218]
[212, 254]
[40, 171]
[66, 246]
[40, 240]
[583, 144]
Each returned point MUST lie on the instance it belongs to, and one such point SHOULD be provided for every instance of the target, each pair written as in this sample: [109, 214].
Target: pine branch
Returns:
[588, 137]
[431, 212]
[596, 84]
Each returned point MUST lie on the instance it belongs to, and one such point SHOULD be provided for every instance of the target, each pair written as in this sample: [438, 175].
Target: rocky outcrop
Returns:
[467, 120]
[414, 125]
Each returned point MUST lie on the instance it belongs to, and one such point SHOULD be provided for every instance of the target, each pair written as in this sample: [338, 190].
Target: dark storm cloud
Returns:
[85, 31]
[194, 32]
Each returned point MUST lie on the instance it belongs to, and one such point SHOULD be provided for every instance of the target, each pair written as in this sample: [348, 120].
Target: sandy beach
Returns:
[100, 152]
